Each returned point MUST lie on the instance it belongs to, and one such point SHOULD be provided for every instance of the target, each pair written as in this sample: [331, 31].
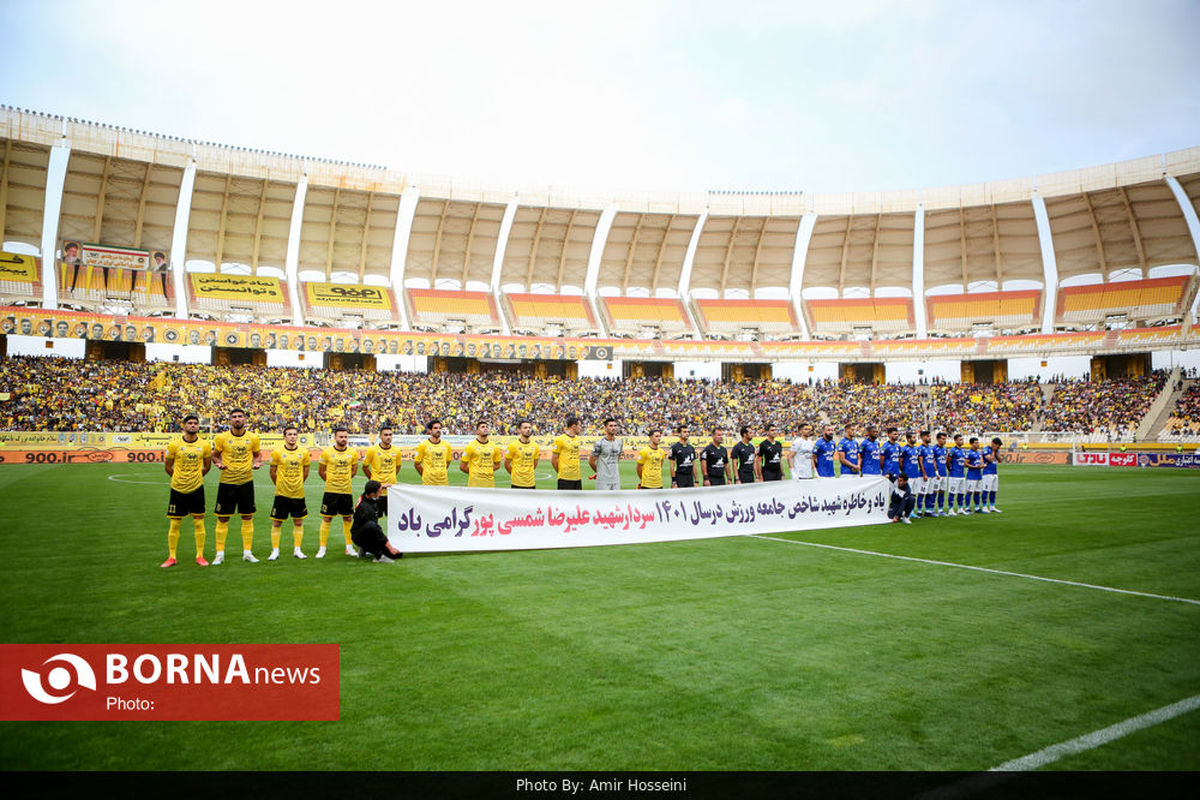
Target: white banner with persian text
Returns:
[438, 519]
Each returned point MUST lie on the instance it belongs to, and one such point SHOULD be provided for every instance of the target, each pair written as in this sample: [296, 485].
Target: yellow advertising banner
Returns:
[237, 287]
[337, 294]
[13, 267]
[27, 440]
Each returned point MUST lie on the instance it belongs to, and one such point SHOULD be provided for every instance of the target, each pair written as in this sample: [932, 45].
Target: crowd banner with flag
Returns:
[439, 519]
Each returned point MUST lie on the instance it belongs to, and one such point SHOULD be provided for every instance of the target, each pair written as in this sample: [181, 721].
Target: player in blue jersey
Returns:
[822, 454]
[928, 491]
[847, 455]
[910, 465]
[991, 476]
[939, 462]
[868, 451]
[956, 461]
[974, 476]
[889, 454]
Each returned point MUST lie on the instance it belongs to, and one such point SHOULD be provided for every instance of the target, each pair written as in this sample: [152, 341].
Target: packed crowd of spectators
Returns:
[55, 394]
[1185, 417]
[1114, 406]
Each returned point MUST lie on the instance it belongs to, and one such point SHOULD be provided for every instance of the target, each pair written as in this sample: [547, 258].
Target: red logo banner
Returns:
[169, 681]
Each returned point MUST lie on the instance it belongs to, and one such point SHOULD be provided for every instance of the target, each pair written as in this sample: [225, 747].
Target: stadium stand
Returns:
[95, 287]
[436, 308]
[1185, 417]
[633, 316]
[568, 314]
[771, 317]
[958, 313]
[329, 302]
[1113, 407]
[1152, 298]
[225, 296]
[20, 279]
[845, 316]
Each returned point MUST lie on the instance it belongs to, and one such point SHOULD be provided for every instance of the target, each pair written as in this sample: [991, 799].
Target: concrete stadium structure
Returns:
[1096, 260]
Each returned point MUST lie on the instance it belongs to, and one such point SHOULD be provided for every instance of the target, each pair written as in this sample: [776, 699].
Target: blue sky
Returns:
[675, 96]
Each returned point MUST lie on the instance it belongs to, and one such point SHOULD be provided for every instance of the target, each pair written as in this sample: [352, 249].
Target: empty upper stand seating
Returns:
[94, 286]
[436, 307]
[631, 315]
[535, 311]
[20, 278]
[958, 312]
[1138, 300]
[888, 314]
[732, 316]
[221, 295]
[334, 301]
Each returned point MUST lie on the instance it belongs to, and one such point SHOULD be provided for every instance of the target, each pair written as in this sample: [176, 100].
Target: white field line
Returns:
[981, 569]
[1094, 739]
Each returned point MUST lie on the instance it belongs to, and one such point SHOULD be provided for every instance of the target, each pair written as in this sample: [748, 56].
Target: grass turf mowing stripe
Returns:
[979, 569]
[1095, 739]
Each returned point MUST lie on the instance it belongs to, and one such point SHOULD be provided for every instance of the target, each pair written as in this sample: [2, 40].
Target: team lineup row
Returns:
[943, 479]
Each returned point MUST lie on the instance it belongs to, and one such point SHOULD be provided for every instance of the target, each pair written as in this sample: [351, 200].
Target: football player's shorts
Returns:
[934, 485]
[285, 507]
[337, 503]
[974, 486]
[235, 499]
[957, 485]
[917, 484]
[182, 504]
[990, 482]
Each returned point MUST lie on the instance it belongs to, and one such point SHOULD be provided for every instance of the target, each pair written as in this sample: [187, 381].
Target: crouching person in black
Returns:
[902, 501]
[365, 532]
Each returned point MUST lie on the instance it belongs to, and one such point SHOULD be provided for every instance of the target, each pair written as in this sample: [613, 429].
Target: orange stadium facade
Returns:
[119, 235]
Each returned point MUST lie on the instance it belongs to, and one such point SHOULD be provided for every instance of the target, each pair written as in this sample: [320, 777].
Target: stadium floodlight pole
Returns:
[56, 178]
[179, 236]
[918, 272]
[799, 258]
[592, 278]
[1193, 225]
[506, 223]
[1049, 262]
[291, 261]
[404, 221]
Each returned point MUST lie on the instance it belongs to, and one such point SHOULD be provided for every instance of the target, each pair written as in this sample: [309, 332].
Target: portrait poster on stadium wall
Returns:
[436, 519]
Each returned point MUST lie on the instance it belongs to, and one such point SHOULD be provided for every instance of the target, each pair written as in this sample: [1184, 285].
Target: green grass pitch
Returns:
[740, 653]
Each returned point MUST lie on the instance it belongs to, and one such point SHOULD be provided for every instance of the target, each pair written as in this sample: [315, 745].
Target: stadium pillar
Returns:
[968, 371]
[56, 176]
[1193, 225]
[571, 370]
[179, 239]
[291, 261]
[1049, 263]
[799, 258]
[685, 274]
[404, 220]
[592, 277]
[918, 272]
[506, 223]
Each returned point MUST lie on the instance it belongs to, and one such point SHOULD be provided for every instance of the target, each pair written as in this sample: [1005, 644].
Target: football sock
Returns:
[173, 538]
[978, 499]
[297, 536]
[325, 524]
[247, 534]
[222, 532]
[276, 532]
[347, 522]
[941, 502]
[991, 498]
[198, 522]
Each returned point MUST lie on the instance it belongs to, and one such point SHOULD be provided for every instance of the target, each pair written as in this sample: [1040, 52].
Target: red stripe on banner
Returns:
[169, 681]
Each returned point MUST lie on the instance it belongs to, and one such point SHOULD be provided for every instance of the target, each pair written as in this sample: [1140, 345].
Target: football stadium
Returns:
[893, 481]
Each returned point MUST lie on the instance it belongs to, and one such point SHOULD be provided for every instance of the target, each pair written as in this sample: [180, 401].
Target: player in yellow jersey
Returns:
[236, 454]
[290, 464]
[433, 457]
[522, 459]
[650, 462]
[381, 462]
[565, 456]
[338, 465]
[188, 459]
[481, 458]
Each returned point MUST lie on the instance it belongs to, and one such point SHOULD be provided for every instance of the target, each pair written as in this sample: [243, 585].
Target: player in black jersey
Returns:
[770, 453]
[714, 461]
[746, 458]
[683, 460]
